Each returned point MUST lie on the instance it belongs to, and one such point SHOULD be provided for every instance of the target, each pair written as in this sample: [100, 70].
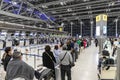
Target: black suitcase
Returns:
[105, 53]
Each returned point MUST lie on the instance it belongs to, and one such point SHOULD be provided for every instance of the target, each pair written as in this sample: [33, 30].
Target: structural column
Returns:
[116, 28]
[101, 30]
[91, 28]
[81, 24]
[71, 28]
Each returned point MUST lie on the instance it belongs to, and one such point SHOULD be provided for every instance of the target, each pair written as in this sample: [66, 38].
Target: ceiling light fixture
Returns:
[62, 3]
[69, 9]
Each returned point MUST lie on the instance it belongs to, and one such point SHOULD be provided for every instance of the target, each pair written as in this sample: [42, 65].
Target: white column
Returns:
[91, 28]
[116, 28]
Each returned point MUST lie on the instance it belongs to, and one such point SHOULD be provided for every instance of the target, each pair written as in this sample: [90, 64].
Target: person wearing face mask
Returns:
[6, 57]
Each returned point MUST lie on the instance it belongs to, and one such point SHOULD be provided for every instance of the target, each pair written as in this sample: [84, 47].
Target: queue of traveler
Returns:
[64, 54]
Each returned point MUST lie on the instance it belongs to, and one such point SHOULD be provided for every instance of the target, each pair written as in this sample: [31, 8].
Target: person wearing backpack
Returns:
[6, 57]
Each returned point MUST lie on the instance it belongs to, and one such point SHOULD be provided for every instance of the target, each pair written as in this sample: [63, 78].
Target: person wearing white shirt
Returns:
[115, 47]
[56, 53]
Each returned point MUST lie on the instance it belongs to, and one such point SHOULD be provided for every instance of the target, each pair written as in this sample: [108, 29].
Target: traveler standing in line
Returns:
[84, 43]
[56, 53]
[26, 52]
[96, 42]
[79, 42]
[76, 48]
[48, 58]
[17, 47]
[6, 57]
[19, 69]
[66, 60]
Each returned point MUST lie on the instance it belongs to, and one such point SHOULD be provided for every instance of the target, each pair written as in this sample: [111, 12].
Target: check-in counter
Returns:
[27, 42]
[21, 42]
[9, 43]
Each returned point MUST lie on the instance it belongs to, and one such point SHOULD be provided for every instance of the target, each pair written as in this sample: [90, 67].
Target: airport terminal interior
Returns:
[59, 39]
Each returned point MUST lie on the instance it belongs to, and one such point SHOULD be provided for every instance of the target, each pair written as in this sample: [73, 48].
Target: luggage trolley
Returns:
[45, 74]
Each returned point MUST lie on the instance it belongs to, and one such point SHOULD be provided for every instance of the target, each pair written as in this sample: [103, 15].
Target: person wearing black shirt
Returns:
[6, 57]
[48, 59]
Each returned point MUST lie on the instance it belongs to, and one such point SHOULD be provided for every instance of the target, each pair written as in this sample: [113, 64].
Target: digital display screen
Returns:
[104, 29]
[98, 31]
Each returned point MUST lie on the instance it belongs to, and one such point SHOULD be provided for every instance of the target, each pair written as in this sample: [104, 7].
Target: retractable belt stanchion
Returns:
[34, 61]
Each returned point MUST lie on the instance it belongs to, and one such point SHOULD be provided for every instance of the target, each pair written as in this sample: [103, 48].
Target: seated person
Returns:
[17, 68]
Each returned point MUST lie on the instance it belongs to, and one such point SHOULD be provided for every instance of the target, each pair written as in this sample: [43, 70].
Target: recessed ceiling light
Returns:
[54, 12]
[74, 14]
[85, 0]
[62, 3]
[14, 3]
[69, 9]
[44, 6]
[88, 7]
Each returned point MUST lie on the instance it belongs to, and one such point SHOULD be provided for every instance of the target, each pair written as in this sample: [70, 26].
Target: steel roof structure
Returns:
[55, 12]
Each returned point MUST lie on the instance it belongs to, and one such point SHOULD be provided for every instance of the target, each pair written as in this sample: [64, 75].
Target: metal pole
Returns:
[81, 28]
[20, 8]
[116, 30]
[91, 29]
[71, 28]
[34, 61]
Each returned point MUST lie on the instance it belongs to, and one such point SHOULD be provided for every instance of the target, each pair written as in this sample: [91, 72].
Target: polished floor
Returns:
[85, 67]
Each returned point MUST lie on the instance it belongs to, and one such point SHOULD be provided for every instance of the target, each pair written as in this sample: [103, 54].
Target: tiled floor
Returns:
[85, 67]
